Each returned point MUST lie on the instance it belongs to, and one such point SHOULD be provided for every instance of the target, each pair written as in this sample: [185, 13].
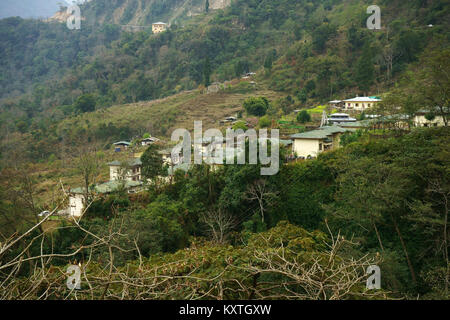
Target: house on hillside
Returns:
[361, 103]
[129, 170]
[121, 145]
[310, 144]
[213, 87]
[76, 196]
[159, 27]
[338, 118]
[336, 104]
[149, 141]
[428, 118]
[167, 158]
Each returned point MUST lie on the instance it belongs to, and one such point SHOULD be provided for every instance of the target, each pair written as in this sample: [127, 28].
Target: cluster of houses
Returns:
[362, 104]
[305, 145]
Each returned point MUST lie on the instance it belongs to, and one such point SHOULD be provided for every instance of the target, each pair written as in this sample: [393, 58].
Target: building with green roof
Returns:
[309, 144]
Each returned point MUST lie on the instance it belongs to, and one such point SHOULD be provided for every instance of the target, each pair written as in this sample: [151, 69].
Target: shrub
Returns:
[303, 117]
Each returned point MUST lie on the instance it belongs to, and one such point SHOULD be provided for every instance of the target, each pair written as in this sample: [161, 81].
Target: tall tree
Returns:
[207, 72]
[365, 69]
[152, 163]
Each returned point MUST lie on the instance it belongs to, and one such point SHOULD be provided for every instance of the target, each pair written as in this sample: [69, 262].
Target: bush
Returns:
[256, 106]
[303, 117]
[240, 125]
[264, 122]
[85, 103]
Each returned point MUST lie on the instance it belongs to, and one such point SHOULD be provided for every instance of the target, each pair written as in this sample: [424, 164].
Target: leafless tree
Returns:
[219, 223]
[88, 166]
[260, 191]
[326, 275]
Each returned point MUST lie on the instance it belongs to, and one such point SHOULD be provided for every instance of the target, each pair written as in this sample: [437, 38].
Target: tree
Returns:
[207, 72]
[240, 125]
[260, 191]
[152, 163]
[87, 166]
[321, 35]
[264, 122]
[365, 69]
[434, 88]
[207, 6]
[85, 103]
[256, 106]
[220, 223]
[303, 116]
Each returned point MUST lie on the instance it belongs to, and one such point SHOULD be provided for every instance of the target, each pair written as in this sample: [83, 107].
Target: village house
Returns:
[336, 104]
[361, 103]
[338, 118]
[121, 145]
[149, 141]
[76, 196]
[213, 87]
[437, 120]
[310, 144]
[167, 158]
[129, 170]
[159, 27]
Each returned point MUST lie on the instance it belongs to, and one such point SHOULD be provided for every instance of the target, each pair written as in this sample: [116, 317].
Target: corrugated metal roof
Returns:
[132, 163]
[363, 99]
[321, 133]
[109, 186]
[122, 142]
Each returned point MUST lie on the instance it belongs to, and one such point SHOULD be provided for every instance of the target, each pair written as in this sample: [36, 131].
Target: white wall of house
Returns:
[421, 121]
[359, 105]
[76, 205]
[306, 147]
[115, 173]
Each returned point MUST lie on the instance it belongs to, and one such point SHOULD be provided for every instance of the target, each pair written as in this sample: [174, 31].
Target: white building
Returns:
[76, 196]
[130, 170]
[420, 118]
[361, 103]
[159, 27]
[310, 144]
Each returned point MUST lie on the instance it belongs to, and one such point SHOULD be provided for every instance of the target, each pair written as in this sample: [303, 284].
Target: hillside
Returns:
[86, 184]
[146, 12]
[311, 52]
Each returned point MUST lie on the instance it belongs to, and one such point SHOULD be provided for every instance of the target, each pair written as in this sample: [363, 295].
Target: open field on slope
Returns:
[161, 117]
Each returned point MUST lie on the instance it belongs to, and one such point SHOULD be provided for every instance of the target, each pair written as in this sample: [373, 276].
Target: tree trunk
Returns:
[410, 266]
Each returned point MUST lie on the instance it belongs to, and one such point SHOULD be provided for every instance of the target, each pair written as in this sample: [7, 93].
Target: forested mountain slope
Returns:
[312, 50]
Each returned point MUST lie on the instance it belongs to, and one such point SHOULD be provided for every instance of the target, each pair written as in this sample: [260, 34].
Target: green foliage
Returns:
[303, 116]
[240, 125]
[256, 106]
[152, 163]
[166, 217]
[364, 69]
[264, 122]
[85, 103]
